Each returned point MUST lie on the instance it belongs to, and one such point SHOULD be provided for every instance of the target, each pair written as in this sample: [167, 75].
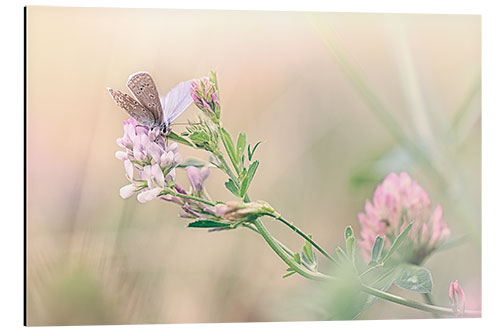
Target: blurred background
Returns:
[340, 100]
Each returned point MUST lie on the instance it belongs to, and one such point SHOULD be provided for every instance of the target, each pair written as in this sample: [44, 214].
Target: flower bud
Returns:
[196, 177]
[238, 211]
[206, 96]
[457, 298]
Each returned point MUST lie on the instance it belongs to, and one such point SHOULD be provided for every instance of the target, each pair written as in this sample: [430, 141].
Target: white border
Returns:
[380, 6]
[11, 303]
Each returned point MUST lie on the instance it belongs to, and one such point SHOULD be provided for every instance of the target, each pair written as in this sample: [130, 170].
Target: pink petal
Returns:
[129, 169]
[148, 195]
[127, 191]
[121, 155]
[158, 175]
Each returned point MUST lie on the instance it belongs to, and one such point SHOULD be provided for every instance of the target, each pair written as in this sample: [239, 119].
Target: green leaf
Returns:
[377, 248]
[414, 278]
[309, 257]
[240, 146]
[350, 242]
[397, 243]
[175, 137]
[228, 144]
[350, 247]
[242, 175]
[250, 153]
[206, 224]
[287, 274]
[192, 162]
[248, 179]
[308, 252]
[200, 139]
[231, 186]
[341, 254]
[296, 257]
[348, 232]
[311, 265]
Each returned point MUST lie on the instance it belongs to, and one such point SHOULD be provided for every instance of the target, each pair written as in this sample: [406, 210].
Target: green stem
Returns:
[414, 304]
[287, 258]
[254, 229]
[303, 235]
[370, 269]
[428, 299]
[222, 160]
[190, 197]
[226, 168]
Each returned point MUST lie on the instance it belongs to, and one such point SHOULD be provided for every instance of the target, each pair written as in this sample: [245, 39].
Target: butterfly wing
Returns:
[143, 88]
[133, 107]
[176, 101]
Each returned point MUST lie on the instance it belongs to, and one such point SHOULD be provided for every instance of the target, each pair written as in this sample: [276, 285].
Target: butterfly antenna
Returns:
[188, 123]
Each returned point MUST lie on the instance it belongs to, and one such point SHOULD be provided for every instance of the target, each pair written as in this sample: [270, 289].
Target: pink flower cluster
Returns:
[397, 201]
[149, 162]
[204, 94]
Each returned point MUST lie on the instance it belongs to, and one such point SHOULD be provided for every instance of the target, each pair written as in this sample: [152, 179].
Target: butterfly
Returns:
[146, 107]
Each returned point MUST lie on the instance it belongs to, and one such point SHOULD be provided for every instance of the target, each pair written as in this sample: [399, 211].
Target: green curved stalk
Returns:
[287, 258]
[371, 269]
[226, 168]
[254, 229]
[428, 299]
[222, 160]
[303, 235]
[414, 304]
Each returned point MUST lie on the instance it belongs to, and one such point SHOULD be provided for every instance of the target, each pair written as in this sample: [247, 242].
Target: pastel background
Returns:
[94, 258]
